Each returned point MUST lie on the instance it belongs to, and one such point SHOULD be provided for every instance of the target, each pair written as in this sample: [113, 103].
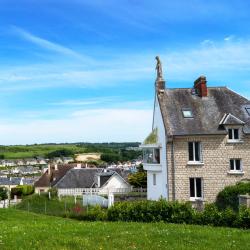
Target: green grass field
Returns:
[23, 230]
[29, 151]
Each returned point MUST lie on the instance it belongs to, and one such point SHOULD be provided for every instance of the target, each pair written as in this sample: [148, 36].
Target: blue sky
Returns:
[76, 70]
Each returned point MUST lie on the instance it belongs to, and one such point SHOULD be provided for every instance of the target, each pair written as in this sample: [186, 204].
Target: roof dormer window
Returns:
[248, 110]
[187, 113]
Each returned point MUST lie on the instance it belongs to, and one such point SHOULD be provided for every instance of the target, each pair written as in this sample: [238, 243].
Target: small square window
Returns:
[187, 113]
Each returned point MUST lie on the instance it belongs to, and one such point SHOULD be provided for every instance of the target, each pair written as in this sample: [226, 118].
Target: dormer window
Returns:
[233, 134]
[248, 110]
[187, 113]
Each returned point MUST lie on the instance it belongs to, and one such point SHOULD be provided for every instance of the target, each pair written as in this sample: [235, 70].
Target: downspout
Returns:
[173, 169]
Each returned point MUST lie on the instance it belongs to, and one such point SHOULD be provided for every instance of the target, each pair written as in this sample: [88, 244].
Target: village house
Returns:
[67, 178]
[200, 141]
[80, 180]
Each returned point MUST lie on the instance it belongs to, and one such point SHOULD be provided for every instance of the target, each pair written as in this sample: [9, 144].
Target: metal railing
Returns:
[98, 191]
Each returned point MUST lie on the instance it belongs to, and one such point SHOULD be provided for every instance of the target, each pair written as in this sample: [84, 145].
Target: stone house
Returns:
[200, 142]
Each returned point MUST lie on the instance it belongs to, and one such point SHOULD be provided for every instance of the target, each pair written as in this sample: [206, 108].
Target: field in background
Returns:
[22, 230]
[30, 151]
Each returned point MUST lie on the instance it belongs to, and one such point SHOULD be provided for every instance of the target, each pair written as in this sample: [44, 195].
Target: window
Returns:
[194, 151]
[151, 156]
[248, 110]
[233, 134]
[154, 179]
[235, 165]
[195, 188]
[187, 113]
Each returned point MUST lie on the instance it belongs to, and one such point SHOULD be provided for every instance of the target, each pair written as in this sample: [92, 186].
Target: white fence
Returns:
[97, 191]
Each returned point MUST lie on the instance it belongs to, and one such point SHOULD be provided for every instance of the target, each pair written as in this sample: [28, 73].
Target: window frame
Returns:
[187, 110]
[248, 110]
[196, 197]
[194, 157]
[155, 158]
[232, 134]
[234, 160]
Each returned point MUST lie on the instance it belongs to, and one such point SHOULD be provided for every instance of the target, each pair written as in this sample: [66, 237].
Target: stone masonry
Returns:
[216, 153]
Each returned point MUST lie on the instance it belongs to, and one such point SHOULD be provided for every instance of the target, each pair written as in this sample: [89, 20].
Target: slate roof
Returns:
[88, 177]
[47, 180]
[10, 181]
[78, 178]
[230, 119]
[207, 111]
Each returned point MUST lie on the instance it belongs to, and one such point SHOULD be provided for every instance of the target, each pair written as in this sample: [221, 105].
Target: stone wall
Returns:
[215, 172]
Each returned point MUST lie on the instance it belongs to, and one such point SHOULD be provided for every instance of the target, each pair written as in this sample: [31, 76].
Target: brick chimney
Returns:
[200, 86]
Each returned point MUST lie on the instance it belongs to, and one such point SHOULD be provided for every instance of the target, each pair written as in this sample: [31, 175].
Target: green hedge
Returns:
[228, 197]
[176, 212]
[151, 211]
[22, 190]
[139, 211]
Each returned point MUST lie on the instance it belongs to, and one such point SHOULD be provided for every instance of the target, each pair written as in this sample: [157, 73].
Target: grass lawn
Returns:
[23, 230]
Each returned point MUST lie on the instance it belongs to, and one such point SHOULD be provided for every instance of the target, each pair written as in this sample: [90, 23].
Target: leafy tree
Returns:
[60, 153]
[3, 193]
[110, 157]
[138, 179]
[1, 157]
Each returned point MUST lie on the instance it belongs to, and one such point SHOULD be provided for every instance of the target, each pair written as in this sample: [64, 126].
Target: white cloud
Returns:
[88, 125]
[46, 44]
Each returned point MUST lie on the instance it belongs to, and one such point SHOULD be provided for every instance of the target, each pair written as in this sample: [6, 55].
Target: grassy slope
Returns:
[21, 230]
[29, 151]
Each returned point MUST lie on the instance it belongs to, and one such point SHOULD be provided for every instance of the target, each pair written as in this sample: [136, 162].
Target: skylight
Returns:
[187, 113]
[248, 110]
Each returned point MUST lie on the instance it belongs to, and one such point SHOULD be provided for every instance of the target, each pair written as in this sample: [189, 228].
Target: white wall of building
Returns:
[155, 192]
[116, 182]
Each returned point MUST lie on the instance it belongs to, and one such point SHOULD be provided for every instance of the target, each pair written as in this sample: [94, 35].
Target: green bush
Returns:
[53, 192]
[22, 190]
[243, 218]
[228, 197]
[3, 193]
[18, 191]
[95, 213]
[151, 211]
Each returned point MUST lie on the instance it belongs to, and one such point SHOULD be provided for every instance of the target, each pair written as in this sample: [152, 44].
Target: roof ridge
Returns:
[215, 87]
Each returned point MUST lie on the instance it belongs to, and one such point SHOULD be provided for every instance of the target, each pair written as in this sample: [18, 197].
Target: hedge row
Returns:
[22, 190]
[164, 211]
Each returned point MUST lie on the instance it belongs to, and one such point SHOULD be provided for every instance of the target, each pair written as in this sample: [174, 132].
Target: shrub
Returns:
[53, 192]
[244, 218]
[3, 193]
[95, 213]
[151, 211]
[211, 215]
[228, 197]
[23, 190]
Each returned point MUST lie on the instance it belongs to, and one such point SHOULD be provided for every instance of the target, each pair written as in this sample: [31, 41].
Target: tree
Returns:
[138, 179]
[110, 157]
[3, 193]
[60, 153]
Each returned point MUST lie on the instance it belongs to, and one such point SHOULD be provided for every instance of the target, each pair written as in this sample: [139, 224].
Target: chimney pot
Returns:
[200, 86]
